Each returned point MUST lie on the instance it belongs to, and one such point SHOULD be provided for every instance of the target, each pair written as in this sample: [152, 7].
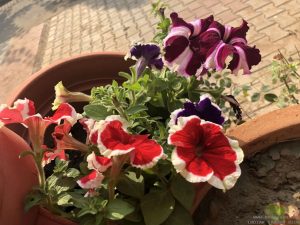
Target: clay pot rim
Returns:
[55, 218]
[42, 72]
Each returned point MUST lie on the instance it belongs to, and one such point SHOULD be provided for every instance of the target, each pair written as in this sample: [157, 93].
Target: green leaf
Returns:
[222, 82]
[271, 97]
[228, 82]
[255, 97]
[265, 88]
[274, 209]
[130, 185]
[97, 112]
[72, 172]
[64, 199]
[179, 216]
[32, 199]
[135, 109]
[183, 191]
[117, 209]
[64, 184]
[51, 181]
[157, 206]
[163, 167]
[60, 166]
[125, 75]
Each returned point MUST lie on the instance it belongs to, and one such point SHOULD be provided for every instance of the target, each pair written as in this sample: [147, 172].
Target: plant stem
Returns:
[289, 90]
[119, 108]
[117, 164]
[41, 172]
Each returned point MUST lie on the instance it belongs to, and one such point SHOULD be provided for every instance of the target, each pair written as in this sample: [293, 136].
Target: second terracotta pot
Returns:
[79, 73]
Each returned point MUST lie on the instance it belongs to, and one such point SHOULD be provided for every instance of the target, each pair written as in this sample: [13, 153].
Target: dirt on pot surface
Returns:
[272, 176]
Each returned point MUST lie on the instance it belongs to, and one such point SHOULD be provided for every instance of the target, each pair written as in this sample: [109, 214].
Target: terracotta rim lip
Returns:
[39, 74]
[260, 133]
[55, 218]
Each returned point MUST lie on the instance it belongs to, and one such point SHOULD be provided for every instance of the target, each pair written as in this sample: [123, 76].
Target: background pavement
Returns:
[34, 34]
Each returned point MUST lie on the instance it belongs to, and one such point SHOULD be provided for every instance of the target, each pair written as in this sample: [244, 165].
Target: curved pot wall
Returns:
[17, 176]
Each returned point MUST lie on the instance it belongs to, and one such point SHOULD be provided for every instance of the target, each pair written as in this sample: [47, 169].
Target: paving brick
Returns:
[111, 25]
[202, 12]
[270, 10]
[248, 13]
[275, 32]
[292, 7]
[256, 4]
[260, 22]
[218, 8]
[225, 2]
[253, 36]
[228, 16]
[237, 6]
[284, 19]
[209, 3]
[194, 5]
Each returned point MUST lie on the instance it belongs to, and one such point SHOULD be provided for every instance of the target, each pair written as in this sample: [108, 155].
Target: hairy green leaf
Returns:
[157, 206]
[97, 112]
[183, 191]
[117, 209]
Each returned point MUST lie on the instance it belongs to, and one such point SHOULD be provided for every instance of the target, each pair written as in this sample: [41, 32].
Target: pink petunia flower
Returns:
[99, 163]
[91, 181]
[203, 153]
[112, 138]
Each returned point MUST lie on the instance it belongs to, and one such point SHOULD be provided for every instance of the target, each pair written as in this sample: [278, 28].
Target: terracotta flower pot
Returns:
[17, 176]
[79, 73]
[45, 217]
[83, 72]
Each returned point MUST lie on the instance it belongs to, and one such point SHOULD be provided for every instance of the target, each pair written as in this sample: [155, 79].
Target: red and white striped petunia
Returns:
[63, 139]
[66, 112]
[203, 153]
[99, 163]
[112, 138]
[91, 181]
[22, 109]
[49, 156]
[23, 112]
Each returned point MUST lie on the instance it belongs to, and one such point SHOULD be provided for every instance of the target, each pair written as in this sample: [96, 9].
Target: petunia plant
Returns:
[146, 144]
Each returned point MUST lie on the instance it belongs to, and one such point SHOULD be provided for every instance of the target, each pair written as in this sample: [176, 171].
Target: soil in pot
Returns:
[268, 177]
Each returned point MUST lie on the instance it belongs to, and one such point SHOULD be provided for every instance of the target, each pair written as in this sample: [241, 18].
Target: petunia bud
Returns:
[64, 95]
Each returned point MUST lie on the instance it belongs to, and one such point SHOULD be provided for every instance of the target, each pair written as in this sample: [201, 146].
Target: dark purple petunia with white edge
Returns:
[145, 55]
[204, 109]
[183, 50]
[230, 41]
[204, 44]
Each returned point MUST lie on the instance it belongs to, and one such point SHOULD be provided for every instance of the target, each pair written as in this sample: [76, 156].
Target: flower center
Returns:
[199, 150]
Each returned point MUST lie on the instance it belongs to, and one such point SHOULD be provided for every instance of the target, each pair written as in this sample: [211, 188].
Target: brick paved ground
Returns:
[112, 25]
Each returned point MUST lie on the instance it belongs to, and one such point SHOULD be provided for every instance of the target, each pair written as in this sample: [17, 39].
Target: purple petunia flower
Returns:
[205, 109]
[146, 55]
[193, 48]
[183, 50]
[230, 41]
